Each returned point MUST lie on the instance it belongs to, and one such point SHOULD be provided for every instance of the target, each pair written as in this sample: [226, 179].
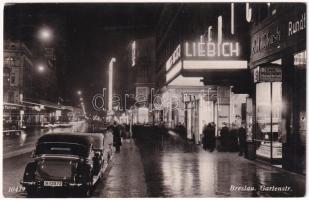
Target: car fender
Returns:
[29, 174]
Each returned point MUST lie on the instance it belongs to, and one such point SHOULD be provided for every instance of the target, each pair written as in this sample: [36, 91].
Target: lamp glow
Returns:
[209, 33]
[45, 34]
[232, 19]
[41, 68]
[219, 29]
[110, 84]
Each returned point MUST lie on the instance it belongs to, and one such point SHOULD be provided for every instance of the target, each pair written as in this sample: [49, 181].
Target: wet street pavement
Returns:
[174, 168]
[171, 167]
[204, 174]
[126, 177]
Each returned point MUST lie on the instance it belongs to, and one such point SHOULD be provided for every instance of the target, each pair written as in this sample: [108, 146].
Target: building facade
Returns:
[28, 82]
[18, 68]
[202, 65]
[236, 64]
[278, 68]
[140, 86]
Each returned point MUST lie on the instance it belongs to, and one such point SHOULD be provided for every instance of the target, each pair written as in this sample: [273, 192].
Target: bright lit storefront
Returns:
[201, 77]
[268, 135]
[278, 67]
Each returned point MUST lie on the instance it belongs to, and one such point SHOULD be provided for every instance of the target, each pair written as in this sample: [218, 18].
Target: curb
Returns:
[17, 153]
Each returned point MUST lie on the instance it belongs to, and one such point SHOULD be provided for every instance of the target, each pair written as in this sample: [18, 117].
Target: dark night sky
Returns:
[86, 37]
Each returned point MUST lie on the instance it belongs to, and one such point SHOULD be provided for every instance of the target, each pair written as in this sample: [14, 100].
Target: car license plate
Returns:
[53, 183]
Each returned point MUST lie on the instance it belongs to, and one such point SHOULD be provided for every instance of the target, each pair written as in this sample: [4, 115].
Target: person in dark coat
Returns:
[117, 136]
[204, 140]
[212, 136]
[224, 137]
[209, 137]
[242, 140]
[233, 143]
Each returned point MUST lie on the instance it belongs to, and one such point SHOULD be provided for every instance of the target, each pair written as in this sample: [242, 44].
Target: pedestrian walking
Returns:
[212, 136]
[224, 137]
[233, 140]
[242, 140]
[204, 137]
[116, 136]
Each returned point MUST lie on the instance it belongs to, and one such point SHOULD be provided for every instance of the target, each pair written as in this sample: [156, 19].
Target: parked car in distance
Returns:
[66, 160]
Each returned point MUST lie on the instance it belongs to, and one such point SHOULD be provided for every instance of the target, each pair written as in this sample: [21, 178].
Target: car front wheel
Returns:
[31, 191]
[84, 192]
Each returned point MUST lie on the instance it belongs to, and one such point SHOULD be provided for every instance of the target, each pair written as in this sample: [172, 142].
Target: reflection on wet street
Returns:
[175, 168]
[156, 164]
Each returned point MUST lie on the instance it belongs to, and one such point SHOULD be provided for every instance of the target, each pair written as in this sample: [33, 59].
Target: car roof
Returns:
[85, 139]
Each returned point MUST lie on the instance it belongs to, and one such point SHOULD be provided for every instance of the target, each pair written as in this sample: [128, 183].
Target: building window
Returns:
[9, 61]
[13, 78]
[300, 59]
[11, 97]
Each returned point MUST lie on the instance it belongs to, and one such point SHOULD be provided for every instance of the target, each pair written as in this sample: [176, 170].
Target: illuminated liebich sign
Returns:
[211, 49]
[204, 54]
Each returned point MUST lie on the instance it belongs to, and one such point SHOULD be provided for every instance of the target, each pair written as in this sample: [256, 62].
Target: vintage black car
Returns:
[66, 160]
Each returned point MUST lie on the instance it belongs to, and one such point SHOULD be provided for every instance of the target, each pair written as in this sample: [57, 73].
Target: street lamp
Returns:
[41, 68]
[83, 107]
[79, 92]
[110, 83]
[45, 34]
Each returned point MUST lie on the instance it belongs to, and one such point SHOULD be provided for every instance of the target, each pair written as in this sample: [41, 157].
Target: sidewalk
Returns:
[126, 178]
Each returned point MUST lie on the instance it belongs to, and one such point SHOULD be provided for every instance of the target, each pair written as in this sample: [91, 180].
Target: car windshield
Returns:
[62, 148]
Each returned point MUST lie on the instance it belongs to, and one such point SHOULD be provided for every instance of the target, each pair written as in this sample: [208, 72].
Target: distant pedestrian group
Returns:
[209, 137]
[231, 139]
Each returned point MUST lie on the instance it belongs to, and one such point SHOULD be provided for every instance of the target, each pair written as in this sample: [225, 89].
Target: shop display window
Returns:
[268, 117]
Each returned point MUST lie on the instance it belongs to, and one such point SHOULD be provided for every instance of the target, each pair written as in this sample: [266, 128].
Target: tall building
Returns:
[18, 71]
[141, 79]
[30, 87]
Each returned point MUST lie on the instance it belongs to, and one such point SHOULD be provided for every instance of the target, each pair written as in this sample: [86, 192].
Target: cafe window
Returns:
[9, 61]
[268, 117]
[13, 78]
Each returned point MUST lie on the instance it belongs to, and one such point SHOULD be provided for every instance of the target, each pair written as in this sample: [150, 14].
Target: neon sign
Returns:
[211, 49]
[174, 57]
[133, 53]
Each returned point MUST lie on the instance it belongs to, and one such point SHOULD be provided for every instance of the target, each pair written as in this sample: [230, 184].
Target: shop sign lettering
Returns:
[174, 58]
[266, 39]
[283, 33]
[297, 25]
[8, 107]
[211, 49]
[268, 74]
